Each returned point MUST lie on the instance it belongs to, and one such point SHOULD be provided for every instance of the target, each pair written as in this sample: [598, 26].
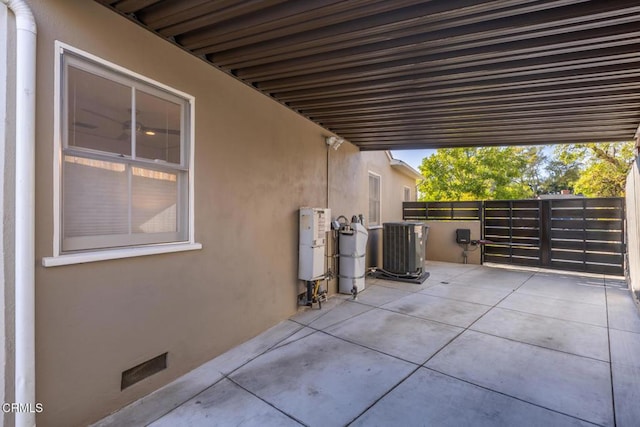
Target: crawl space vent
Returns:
[143, 370]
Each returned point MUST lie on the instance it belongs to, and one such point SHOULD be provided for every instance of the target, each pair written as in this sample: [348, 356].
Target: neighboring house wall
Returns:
[256, 163]
[392, 182]
[632, 194]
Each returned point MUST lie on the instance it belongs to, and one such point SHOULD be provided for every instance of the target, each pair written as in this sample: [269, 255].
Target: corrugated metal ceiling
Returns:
[393, 74]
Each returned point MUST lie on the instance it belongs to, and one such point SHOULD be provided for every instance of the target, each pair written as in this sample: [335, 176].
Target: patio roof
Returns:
[425, 74]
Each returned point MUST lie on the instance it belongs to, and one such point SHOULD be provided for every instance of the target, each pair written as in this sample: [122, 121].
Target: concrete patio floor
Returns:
[473, 345]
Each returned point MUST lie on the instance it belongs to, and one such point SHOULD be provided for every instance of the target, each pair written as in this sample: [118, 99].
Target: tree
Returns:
[603, 168]
[481, 173]
[533, 176]
[560, 176]
[595, 170]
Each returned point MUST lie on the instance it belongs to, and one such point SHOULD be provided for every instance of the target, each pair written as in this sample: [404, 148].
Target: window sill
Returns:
[85, 257]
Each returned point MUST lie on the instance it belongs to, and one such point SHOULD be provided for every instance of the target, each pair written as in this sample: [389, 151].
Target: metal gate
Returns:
[568, 234]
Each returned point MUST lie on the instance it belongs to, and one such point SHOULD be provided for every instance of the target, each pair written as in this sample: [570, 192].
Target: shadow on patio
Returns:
[473, 345]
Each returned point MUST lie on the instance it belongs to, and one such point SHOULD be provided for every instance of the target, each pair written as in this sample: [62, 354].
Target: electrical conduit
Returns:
[25, 392]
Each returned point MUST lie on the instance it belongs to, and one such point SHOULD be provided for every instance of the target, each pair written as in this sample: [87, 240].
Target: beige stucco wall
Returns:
[256, 164]
[441, 241]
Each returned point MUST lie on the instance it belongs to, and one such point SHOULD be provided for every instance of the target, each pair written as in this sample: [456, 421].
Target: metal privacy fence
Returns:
[434, 211]
[569, 234]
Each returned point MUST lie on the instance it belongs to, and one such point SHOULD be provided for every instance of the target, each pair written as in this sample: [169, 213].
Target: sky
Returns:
[412, 157]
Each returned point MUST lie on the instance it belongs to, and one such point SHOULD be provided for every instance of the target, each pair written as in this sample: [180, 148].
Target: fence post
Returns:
[545, 232]
[482, 231]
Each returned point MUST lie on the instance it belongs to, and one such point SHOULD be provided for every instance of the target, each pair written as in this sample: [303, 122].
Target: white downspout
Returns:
[25, 390]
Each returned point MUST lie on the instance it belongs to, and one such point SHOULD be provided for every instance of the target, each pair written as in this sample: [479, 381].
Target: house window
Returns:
[374, 199]
[125, 159]
[407, 194]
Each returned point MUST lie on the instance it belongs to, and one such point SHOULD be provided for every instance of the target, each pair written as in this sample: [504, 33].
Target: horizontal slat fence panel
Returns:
[532, 252]
[442, 211]
[596, 202]
[588, 268]
[433, 213]
[515, 213]
[589, 213]
[511, 204]
[591, 246]
[587, 224]
[524, 241]
[514, 227]
[531, 262]
[507, 232]
[588, 234]
[512, 222]
[588, 257]
[607, 236]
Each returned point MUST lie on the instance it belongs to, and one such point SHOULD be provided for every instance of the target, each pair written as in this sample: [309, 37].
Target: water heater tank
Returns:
[353, 246]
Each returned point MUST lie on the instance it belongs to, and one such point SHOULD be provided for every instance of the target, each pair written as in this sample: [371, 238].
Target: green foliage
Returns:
[560, 176]
[603, 167]
[477, 173]
[485, 173]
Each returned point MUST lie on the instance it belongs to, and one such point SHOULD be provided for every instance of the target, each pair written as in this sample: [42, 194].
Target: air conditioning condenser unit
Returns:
[404, 246]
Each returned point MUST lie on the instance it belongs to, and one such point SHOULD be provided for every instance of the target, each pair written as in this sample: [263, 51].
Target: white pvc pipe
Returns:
[25, 391]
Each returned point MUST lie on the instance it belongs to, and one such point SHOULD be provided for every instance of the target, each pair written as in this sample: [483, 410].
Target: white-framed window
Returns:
[407, 194]
[124, 162]
[375, 187]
